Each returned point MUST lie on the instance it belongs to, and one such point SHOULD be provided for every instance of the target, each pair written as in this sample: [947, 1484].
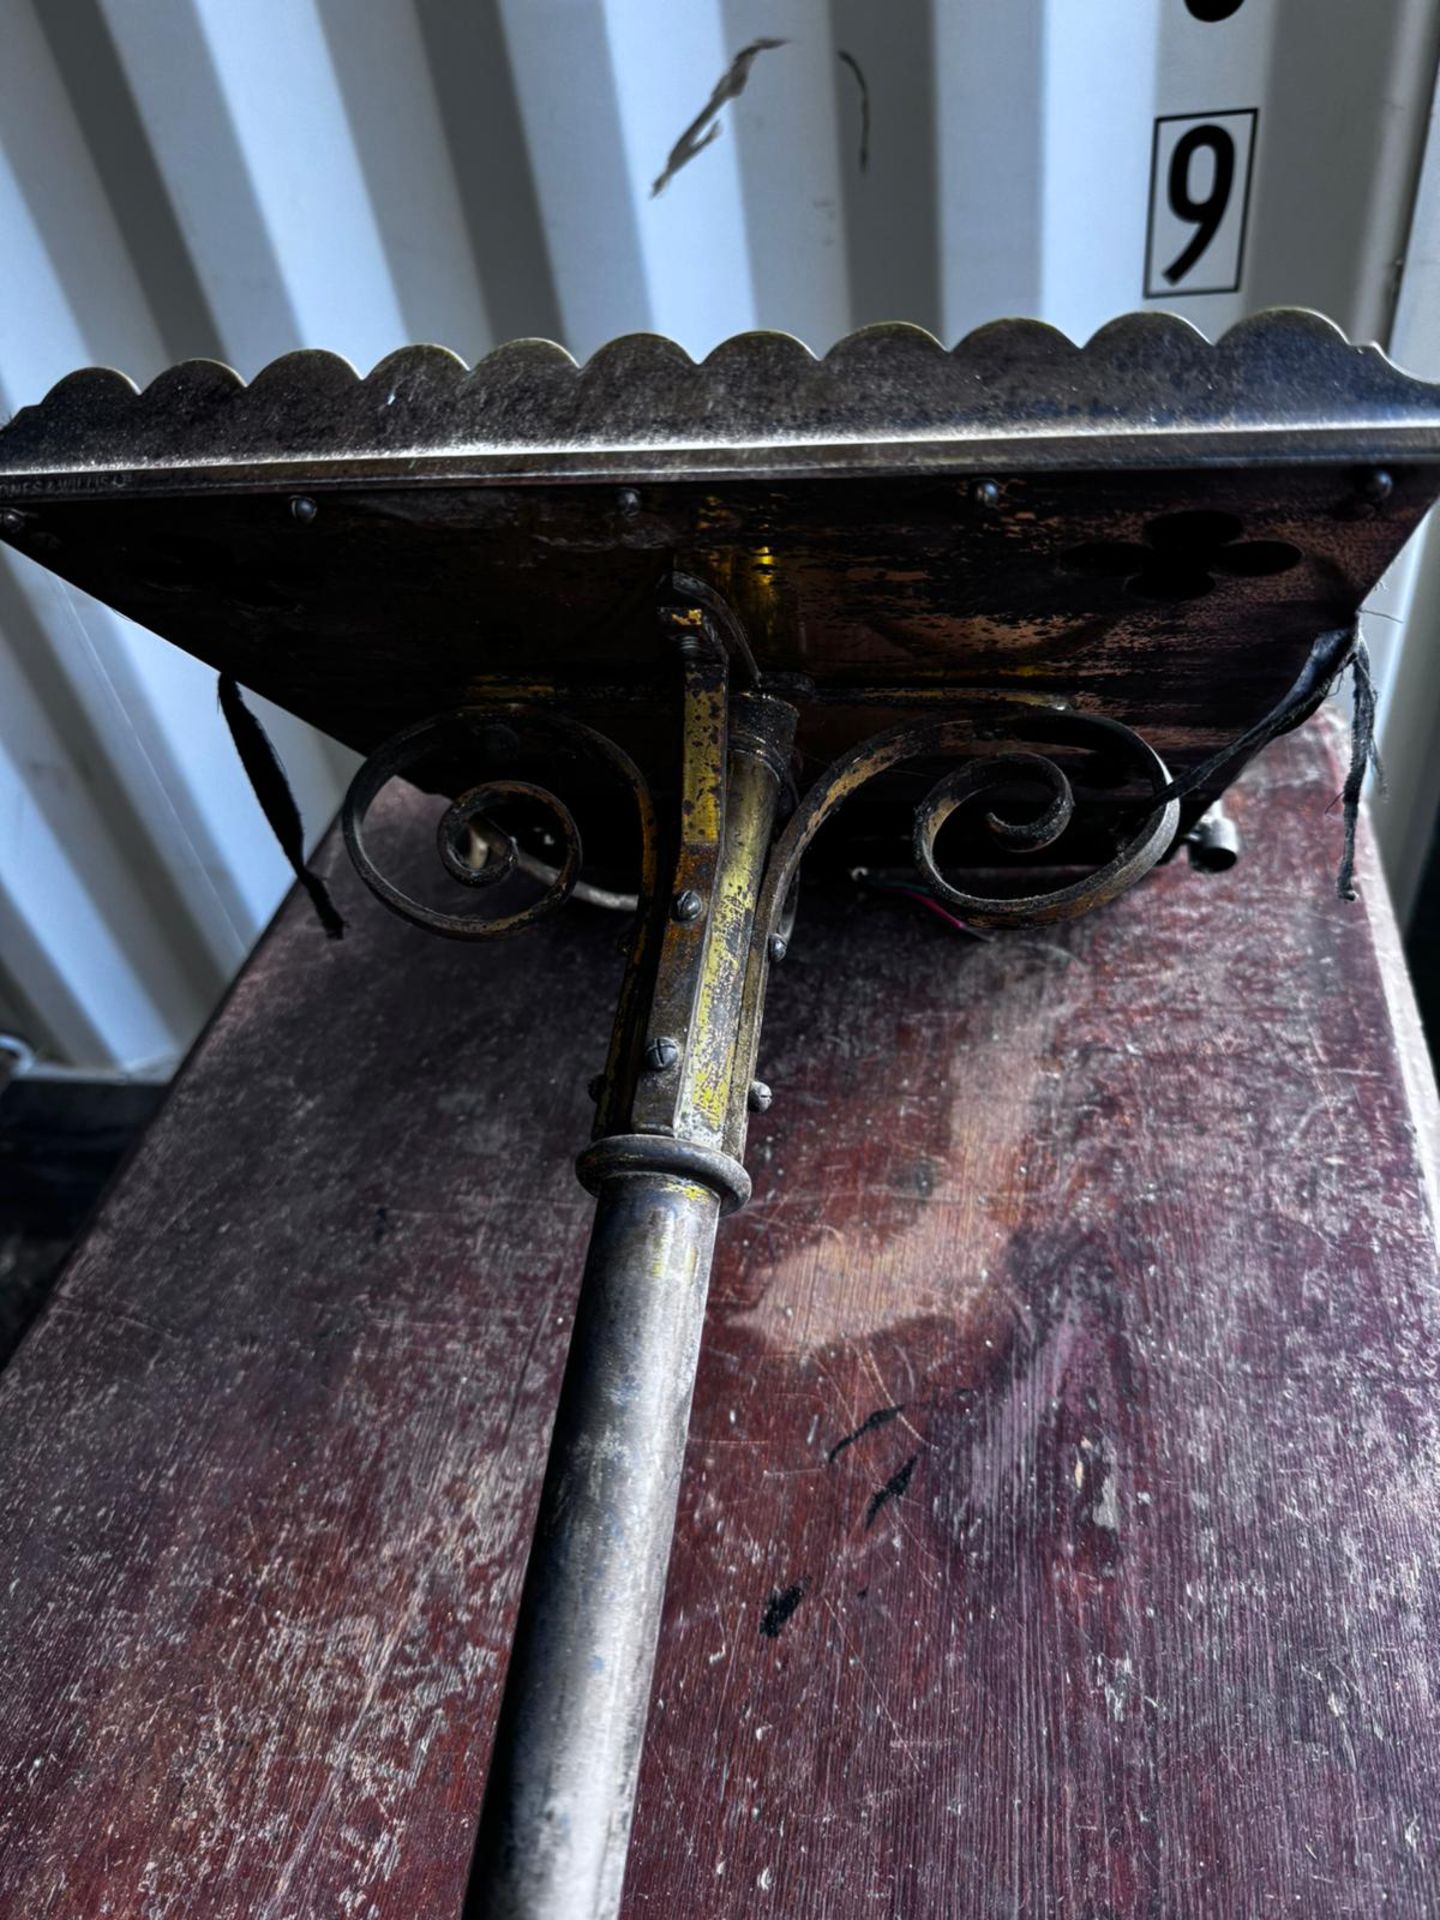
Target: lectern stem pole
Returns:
[558, 1800]
[562, 1780]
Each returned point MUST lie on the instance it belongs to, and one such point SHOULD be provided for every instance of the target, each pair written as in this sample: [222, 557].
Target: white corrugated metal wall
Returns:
[235, 178]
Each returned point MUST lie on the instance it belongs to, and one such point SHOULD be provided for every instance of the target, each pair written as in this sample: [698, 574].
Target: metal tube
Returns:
[555, 1823]
[556, 1818]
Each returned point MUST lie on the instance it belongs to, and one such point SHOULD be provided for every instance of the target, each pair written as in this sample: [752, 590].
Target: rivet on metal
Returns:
[687, 906]
[776, 947]
[661, 1055]
[759, 1097]
[12, 520]
[628, 502]
[303, 508]
[1378, 485]
[985, 493]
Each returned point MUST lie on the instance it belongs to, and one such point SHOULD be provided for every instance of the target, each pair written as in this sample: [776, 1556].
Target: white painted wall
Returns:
[202, 177]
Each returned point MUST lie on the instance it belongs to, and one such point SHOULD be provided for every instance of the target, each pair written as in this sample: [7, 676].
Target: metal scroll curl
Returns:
[995, 768]
[473, 814]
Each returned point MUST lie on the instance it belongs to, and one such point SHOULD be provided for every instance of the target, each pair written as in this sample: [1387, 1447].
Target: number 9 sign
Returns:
[1199, 199]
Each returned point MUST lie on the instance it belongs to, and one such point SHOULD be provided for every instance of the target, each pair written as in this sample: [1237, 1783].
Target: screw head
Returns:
[679, 627]
[303, 508]
[985, 493]
[661, 1055]
[776, 947]
[12, 520]
[687, 906]
[759, 1097]
[1377, 486]
[628, 501]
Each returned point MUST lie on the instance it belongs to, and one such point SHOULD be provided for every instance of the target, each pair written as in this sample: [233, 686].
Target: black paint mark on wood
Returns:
[881, 1417]
[729, 86]
[892, 1489]
[853, 64]
[778, 1609]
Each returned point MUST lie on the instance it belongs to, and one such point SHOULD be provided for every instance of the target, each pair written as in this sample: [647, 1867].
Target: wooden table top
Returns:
[1061, 1529]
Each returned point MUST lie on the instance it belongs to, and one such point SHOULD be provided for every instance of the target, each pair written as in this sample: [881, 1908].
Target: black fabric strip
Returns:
[1363, 755]
[1327, 660]
[277, 803]
[1331, 654]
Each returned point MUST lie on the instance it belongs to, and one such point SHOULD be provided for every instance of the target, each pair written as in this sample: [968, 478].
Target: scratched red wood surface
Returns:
[1061, 1533]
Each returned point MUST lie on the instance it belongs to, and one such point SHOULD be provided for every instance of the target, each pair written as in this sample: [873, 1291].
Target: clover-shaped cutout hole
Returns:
[1181, 555]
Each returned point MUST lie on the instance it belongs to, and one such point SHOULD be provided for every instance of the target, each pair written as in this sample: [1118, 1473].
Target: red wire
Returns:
[925, 900]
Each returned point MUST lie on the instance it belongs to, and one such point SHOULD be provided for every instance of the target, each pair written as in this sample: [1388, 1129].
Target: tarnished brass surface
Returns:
[1147, 390]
